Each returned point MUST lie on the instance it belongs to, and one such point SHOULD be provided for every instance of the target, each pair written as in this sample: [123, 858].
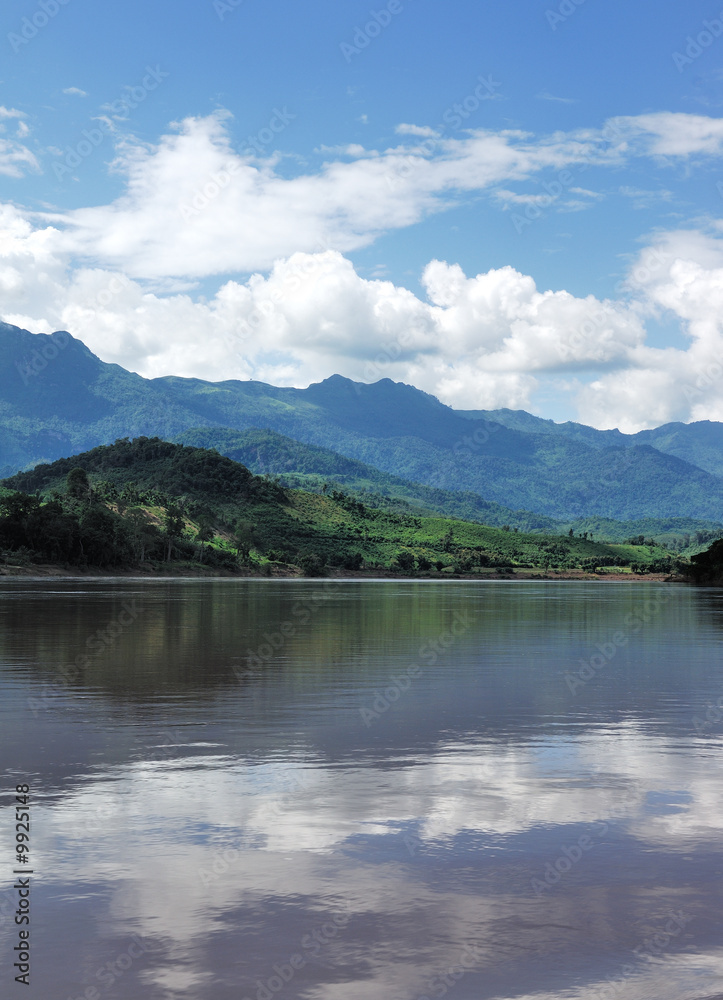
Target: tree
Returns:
[175, 526]
[312, 564]
[142, 534]
[77, 485]
[244, 538]
[405, 561]
[203, 535]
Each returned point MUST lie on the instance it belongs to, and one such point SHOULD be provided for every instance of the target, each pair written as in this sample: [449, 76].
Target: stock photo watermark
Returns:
[96, 645]
[92, 138]
[442, 982]
[111, 972]
[696, 45]
[219, 180]
[364, 35]
[310, 948]
[401, 682]
[633, 623]
[563, 183]
[564, 12]
[31, 26]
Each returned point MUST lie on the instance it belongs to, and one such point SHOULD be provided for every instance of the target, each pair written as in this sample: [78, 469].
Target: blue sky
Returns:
[503, 203]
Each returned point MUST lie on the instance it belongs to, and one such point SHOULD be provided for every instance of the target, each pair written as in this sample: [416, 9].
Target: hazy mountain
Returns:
[699, 443]
[57, 398]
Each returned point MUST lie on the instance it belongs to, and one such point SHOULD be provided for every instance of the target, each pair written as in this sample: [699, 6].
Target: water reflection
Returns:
[227, 804]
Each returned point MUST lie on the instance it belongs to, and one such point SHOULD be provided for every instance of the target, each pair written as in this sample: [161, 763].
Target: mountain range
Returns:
[57, 399]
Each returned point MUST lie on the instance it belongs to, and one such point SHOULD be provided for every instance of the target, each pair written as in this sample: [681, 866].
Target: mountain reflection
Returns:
[231, 816]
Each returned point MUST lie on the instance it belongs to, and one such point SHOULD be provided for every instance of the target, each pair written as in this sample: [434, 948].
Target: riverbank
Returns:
[188, 571]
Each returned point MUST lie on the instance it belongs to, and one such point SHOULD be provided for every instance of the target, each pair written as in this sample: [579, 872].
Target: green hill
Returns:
[57, 398]
[149, 500]
[312, 468]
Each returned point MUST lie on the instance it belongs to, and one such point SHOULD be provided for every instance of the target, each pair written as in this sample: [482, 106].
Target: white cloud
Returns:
[508, 198]
[474, 342]
[489, 340]
[545, 95]
[11, 113]
[120, 276]
[15, 158]
[668, 133]
[75, 92]
[193, 206]
[420, 130]
[681, 275]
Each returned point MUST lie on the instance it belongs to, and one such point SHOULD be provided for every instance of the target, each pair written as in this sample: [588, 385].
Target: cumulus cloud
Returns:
[474, 342]
[493, 339]
[680, 275]
[121, 276]
[193, 206]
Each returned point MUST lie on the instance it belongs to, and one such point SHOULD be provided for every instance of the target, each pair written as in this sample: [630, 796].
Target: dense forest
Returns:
[150, 503]
[384, 437]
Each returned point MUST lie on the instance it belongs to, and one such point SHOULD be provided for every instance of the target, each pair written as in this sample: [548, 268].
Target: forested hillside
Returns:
[57, 398]
[148, 503]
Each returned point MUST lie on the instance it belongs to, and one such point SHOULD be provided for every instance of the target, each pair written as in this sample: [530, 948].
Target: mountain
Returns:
[312, 468]
[150, 501]
[699, 443]
[58, 398]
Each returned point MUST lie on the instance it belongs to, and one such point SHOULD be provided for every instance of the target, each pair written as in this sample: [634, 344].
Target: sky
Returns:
[506, 204]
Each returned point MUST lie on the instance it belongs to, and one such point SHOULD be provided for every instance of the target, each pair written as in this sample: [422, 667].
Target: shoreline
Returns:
[54, 572]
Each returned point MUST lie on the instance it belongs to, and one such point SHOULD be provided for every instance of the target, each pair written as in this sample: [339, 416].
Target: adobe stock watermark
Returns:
[696, 45]
[109, 973]
[363, 36]
[224, 7]
[310, 948]
[453, 117]
[295, 276]
[713, 717]
[607, 651]
[225, 858]
[221, 179]
[475, 441]
[553, 190]
[94, 137]
[571, 854]
[586, 337]
[650, 950]
[442, 982]
[273, 642]
[429, 653]
[564, 11]
[30, 26]
[42, 356]
[96, 645]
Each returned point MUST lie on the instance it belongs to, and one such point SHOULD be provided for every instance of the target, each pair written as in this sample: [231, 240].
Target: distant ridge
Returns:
[57, 398]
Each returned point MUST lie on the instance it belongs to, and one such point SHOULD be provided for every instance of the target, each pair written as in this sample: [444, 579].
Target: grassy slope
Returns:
[311, 468]
[77, 401]
[290, 523]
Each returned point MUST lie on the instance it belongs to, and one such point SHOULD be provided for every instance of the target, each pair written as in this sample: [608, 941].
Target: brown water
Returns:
[364, 790]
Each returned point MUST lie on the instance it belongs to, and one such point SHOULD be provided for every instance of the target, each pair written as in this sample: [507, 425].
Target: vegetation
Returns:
[150, 502]
[473, 466]
[318, 470]
[707, 567]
